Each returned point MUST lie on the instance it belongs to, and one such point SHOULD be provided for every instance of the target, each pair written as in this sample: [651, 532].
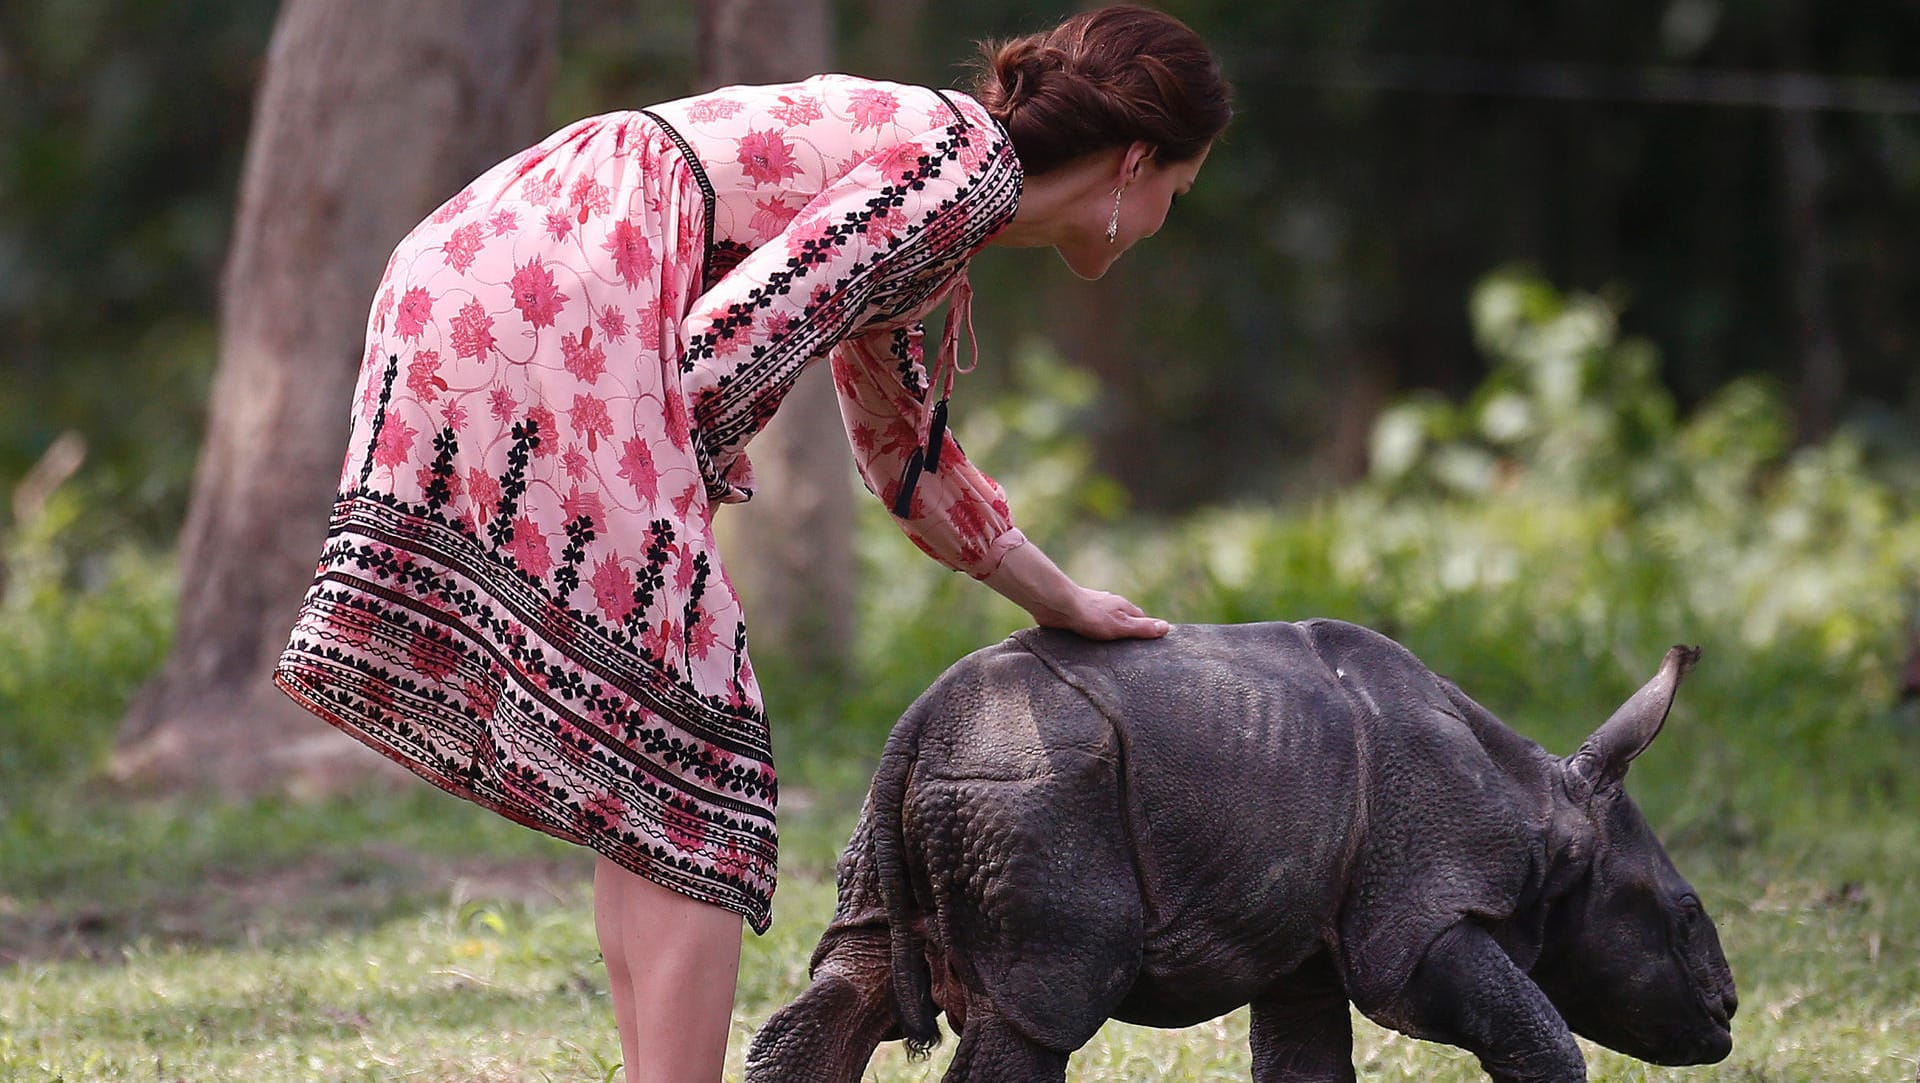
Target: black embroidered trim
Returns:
[723, 256]
[602, 650]
[341, 594]
[901, 347]
[526, 438]
[379, 416]
[706, 190]
[930, 246]
[952, 108]
[747, 837]
[445, 446]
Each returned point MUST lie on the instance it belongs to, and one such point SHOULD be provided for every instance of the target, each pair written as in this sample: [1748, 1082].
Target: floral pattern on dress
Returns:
[520, 598]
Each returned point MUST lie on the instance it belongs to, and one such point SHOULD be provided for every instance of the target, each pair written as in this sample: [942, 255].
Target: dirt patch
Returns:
[321, 893]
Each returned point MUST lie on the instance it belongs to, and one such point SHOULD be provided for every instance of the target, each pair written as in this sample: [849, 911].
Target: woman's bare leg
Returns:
[608, 924]
[672, 962]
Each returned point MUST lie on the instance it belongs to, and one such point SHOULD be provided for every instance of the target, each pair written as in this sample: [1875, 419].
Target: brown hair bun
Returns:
[1103, 79]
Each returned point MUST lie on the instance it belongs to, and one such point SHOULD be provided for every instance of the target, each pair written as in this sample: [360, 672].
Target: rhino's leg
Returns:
[992, 1050]
[829, 1032]
[1304, 1035]
[1036, 896]
[1467, 992]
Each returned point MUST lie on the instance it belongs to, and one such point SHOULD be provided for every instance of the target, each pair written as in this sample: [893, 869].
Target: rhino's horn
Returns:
[1605, 756]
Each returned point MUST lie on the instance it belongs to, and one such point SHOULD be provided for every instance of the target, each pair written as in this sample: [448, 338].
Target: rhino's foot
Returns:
[827, 1035]
[992, 1051]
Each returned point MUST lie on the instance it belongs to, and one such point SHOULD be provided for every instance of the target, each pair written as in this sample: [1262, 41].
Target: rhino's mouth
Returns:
[1705, 1048]
[1711, 1043]
[1705, 1052]
[1696, 951]
[1705, 1039]
[1696, 1029]
[1720, 1009]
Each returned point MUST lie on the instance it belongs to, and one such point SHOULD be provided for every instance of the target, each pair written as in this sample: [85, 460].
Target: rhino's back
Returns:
[1238, 711]
[1249, 715]
[1280, 788]
[1237, 751]
[1001, 713]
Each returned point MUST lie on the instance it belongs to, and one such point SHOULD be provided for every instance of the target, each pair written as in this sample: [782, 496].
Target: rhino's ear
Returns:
[1604, 758]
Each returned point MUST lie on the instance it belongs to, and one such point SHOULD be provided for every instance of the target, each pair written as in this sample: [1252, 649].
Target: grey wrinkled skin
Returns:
[1292, 816]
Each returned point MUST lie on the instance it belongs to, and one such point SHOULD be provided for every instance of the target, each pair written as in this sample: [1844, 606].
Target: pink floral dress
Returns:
[520, 598]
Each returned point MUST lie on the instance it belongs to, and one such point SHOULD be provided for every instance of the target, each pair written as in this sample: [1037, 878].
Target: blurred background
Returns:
[1540, 336]
[1461, 297]
[1738, 180]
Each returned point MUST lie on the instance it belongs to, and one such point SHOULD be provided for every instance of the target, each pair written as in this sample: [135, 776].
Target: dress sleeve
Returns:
[874, 245]
[956, 514]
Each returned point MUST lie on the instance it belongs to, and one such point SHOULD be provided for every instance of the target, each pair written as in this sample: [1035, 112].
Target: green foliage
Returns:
[1567, 399]
[120, 148]
[1543, 543]
[1488, 540]
[80, 627]
[1816, 548]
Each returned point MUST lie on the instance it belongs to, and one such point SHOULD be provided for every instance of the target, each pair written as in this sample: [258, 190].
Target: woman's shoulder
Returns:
[831, 98]
[940, 106]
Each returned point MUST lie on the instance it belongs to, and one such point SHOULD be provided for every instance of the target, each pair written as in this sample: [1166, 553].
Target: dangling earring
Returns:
[1113, 224]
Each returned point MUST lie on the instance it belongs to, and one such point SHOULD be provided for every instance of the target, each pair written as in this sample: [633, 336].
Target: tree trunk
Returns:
[1807, 268]
[1822, 366]
[790, 550]
[369, 114]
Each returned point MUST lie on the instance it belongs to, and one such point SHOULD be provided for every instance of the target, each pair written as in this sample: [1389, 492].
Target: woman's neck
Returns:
[1054, 205]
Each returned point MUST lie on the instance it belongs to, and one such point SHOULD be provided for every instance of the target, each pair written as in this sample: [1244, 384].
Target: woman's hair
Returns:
[1104, 79]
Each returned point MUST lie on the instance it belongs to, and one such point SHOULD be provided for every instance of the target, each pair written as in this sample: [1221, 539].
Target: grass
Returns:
[193, 953]
[408, 936]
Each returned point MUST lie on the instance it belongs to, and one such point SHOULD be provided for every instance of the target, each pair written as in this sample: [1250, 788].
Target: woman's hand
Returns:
[1029, 579]
[1098, 614]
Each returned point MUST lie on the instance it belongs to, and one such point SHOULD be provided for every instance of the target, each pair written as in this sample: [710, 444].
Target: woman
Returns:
[520, 598]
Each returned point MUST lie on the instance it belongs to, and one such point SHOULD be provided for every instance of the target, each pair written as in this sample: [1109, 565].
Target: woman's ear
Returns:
[1134, 161]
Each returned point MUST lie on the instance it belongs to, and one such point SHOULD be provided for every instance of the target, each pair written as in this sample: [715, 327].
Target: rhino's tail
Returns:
[912, 983]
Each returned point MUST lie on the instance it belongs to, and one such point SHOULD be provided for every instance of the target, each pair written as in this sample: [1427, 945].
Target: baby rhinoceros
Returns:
[1293, 816]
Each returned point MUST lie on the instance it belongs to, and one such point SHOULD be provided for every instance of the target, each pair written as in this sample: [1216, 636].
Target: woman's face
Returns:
[1145, 198]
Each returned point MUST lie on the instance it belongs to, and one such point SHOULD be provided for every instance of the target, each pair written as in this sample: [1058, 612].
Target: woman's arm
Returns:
[855, 251]
[1029, 579]
[958, 515]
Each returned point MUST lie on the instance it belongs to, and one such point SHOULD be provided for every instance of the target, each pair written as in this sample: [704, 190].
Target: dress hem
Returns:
[757, 919]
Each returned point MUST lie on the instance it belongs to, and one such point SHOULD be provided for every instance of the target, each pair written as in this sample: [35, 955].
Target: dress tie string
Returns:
[946, 366]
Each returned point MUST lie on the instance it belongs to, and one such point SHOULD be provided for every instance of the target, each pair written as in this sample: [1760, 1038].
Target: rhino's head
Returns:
[1632, 960]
